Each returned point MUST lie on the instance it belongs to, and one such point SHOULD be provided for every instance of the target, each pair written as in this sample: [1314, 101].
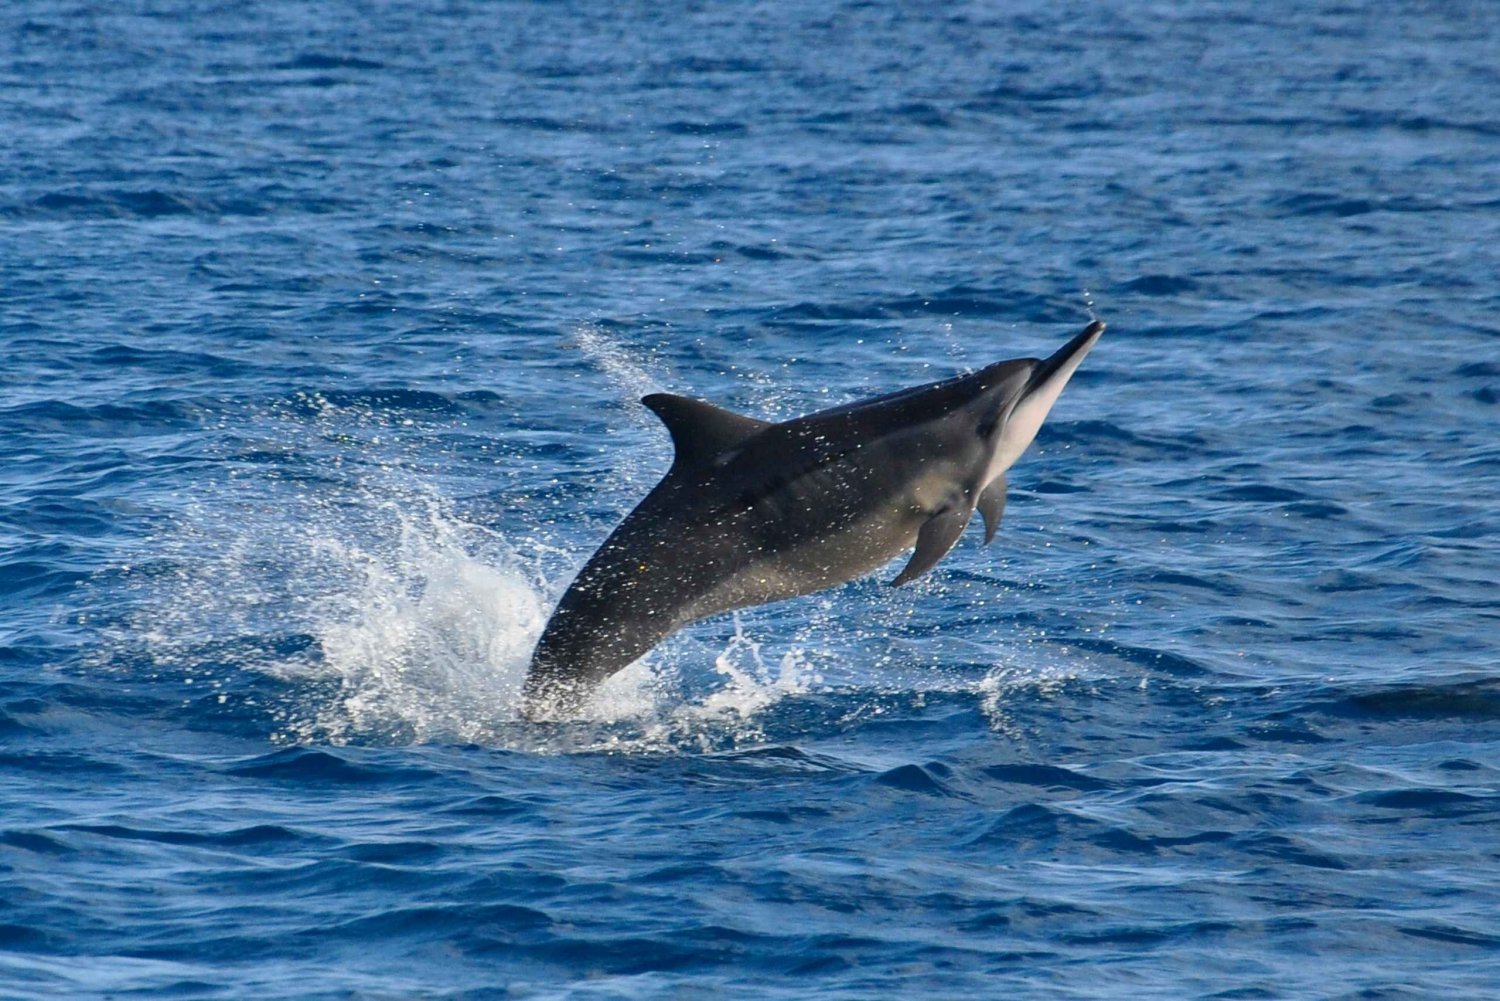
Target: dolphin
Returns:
[753, 511]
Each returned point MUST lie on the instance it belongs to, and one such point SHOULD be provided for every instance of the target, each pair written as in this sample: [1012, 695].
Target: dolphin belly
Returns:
[813, 565]
[630, 597]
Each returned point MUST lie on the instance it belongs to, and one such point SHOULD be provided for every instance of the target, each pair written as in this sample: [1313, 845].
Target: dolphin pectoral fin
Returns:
[701, 431]
[991, 506]
[937, 536]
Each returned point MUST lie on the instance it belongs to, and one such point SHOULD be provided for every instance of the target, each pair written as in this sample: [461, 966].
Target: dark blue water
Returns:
[320, 336]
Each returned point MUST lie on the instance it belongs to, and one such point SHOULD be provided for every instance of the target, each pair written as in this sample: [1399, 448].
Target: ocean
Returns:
[322, 331]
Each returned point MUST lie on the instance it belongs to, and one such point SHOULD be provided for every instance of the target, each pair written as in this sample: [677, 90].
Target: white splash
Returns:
[430, 641]
[753, 685]
[727, 716]
[1008, 683]
[396, 620]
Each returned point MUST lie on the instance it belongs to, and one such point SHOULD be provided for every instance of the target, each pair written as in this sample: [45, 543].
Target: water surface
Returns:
[320, 338]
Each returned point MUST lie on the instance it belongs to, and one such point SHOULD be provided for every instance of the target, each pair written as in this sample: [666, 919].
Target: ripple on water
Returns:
[323, 337]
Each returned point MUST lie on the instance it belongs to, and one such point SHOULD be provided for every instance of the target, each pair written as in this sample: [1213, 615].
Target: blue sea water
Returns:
[321, 330]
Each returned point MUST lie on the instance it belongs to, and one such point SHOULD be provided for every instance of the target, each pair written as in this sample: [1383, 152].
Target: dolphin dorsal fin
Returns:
[701, 431]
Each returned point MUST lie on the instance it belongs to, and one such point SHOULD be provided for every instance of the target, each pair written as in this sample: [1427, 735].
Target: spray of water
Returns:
[631, 377]
[431, 636]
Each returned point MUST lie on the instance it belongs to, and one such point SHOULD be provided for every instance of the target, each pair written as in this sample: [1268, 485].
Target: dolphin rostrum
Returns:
[753, 511]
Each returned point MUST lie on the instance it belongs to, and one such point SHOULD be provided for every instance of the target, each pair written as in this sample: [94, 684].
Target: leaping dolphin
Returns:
[753, 511]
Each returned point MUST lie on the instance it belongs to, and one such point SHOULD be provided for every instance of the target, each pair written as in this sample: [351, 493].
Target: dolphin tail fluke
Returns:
[937, 536]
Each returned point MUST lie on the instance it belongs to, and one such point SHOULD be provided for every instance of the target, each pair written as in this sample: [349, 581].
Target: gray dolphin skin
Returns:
[752, 511]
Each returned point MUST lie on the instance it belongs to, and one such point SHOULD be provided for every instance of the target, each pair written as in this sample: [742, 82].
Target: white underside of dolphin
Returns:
[753, 511]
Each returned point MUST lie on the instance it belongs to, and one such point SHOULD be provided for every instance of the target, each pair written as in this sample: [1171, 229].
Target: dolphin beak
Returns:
[1035, 400]
[1064, 360]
